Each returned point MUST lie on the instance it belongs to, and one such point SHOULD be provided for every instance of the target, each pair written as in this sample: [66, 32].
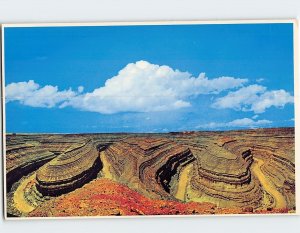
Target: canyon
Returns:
[176, 173]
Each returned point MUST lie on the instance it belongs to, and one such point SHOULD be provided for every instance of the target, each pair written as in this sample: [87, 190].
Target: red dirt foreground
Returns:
[104, 197]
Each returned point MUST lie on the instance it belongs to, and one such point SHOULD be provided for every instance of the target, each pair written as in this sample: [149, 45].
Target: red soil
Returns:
[104, 197]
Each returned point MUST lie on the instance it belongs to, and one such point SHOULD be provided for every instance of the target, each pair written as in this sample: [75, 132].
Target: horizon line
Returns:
[169, 132]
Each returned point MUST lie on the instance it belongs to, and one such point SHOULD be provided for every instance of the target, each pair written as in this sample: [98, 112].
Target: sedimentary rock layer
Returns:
[243, 171]
[147, 163]
[69, 170]
[26, 153]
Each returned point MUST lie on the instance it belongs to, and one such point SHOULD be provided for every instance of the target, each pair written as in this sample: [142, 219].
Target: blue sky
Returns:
[148, 78]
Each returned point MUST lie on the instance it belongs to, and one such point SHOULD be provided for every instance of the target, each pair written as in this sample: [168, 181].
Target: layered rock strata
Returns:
[248, 171]
[69, 171]
[147, 163]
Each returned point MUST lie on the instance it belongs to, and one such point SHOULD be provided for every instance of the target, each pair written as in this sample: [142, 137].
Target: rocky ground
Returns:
[234, 172]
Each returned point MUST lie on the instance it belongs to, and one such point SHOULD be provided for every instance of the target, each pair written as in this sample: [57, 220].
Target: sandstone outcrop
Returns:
[249, 171]
[147, 163]
[69, 170]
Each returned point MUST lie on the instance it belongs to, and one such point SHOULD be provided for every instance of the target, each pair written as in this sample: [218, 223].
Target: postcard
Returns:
[149, 119]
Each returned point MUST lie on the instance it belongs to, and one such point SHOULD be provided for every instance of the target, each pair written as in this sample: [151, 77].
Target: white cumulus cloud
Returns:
[277, 98]
[259, 80]
[146, 87]
[238, 123]
[247, 122]
[31, 94]
[80, 89]
[254, 98]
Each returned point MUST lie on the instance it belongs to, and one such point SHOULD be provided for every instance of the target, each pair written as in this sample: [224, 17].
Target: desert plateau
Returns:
[177, 173]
